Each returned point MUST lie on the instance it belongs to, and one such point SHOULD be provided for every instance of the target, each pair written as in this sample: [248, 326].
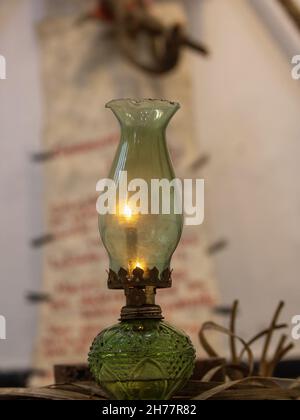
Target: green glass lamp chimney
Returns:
[145, 240]
[141, 357]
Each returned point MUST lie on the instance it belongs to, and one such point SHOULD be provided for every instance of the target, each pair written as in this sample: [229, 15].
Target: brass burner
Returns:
[139, 278]
[141, 312]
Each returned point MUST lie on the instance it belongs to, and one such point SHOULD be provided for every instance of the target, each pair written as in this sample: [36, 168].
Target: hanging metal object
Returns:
[293, 9]
[145, 40]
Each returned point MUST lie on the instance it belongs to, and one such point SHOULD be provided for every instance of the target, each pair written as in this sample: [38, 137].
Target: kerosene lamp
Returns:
[141, 357]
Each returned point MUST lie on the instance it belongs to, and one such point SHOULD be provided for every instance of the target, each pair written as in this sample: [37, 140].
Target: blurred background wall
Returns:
[247, 114]
[248, 121]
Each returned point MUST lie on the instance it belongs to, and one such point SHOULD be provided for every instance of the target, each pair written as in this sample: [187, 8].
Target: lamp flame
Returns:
[127, 213]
